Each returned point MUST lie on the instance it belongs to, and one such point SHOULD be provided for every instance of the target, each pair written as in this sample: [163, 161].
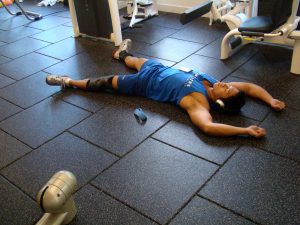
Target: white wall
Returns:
[176, 6]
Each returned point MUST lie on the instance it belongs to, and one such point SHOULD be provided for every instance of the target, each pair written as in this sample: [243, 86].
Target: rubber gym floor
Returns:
[162, 172]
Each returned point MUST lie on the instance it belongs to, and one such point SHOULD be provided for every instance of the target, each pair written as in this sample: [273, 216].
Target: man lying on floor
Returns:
[193, 91]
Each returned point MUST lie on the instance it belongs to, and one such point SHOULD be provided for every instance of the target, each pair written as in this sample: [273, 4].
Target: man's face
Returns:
[224, 90]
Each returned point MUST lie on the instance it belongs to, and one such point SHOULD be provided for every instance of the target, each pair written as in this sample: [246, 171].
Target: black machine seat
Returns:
[281, 11]
[262, 24]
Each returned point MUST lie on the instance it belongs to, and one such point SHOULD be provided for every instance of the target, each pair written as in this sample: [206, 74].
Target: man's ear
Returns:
[220, 103]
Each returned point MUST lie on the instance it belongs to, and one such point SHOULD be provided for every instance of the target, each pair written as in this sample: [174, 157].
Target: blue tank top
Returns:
[171, 85]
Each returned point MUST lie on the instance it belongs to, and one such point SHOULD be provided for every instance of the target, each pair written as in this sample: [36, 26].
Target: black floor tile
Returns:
[28, 91]
[254, 109]
[155, 179]
[10, 149]
[171, 49]
[116, 129]
[200, 31]
[105, 210]
[208, 213]
[293, 98]
[259, 185]
[185, 136]
[169, 20]
[149, 33]
[17, 34]
[63, 49]
[4, 81]
[31, 5]
[282, 133]
[26, 65]
[214, 50]
[65, 152]
[16, 207]
[3, 59]
[269, 68]
[22, 47]
[95, 63]
[182, 134]
[210, 66]
[7, 109]
[55, 34]
[13, 22]
[49, 22]
[42, 122]
[65, 14]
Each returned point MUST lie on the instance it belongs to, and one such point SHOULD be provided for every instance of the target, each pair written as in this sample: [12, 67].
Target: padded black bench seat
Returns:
[263, 24]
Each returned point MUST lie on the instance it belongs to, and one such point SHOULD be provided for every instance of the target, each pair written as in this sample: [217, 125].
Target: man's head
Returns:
[227, 97]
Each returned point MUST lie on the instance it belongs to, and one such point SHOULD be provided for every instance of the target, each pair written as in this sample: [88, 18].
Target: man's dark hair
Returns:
[233, 104]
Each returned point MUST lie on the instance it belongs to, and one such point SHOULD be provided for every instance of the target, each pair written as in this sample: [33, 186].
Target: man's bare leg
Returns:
[134, 62]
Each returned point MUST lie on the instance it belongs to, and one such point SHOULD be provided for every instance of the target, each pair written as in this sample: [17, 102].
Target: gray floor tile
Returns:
[49, 22]
[63, 49]
[116, 129]
[202, 211]
[253, 108]
[259, 185]
[10, 149]
[16, 208]
[282, 133]
[171, 49]
[13, 22]
[28, 91]
[213, 67]
[105, 210]
[42, 122]
[200, 31]
[149, 33]
[65, 152]
[155, 179]
[55, 34]
[17, 34]
[4, 81]
[26, 65]
[7, 109]
[22, 47]
[4, 59]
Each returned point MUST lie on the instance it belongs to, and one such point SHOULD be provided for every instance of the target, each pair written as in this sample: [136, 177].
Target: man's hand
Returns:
[256, 131]
[277, 105]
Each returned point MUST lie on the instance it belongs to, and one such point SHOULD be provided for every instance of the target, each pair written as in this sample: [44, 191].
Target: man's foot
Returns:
[124, 46]
[58, 80]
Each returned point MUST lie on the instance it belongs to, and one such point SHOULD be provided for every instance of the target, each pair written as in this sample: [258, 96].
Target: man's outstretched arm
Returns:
[201, 117]
[258, 92]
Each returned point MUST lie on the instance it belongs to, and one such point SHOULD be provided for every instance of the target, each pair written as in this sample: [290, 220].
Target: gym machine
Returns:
[139, 10]
[97, 19]
[279, 28]
[56, 200]
[29, 15]
[233, 14]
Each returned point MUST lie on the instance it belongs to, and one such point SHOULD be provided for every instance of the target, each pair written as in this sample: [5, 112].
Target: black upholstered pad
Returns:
[258, 24]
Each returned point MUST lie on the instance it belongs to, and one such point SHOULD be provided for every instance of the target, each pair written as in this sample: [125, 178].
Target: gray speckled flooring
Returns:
[162, 172]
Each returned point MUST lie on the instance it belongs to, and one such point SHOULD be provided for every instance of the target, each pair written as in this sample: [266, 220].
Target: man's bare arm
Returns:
[258, 92]
[201, 117]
